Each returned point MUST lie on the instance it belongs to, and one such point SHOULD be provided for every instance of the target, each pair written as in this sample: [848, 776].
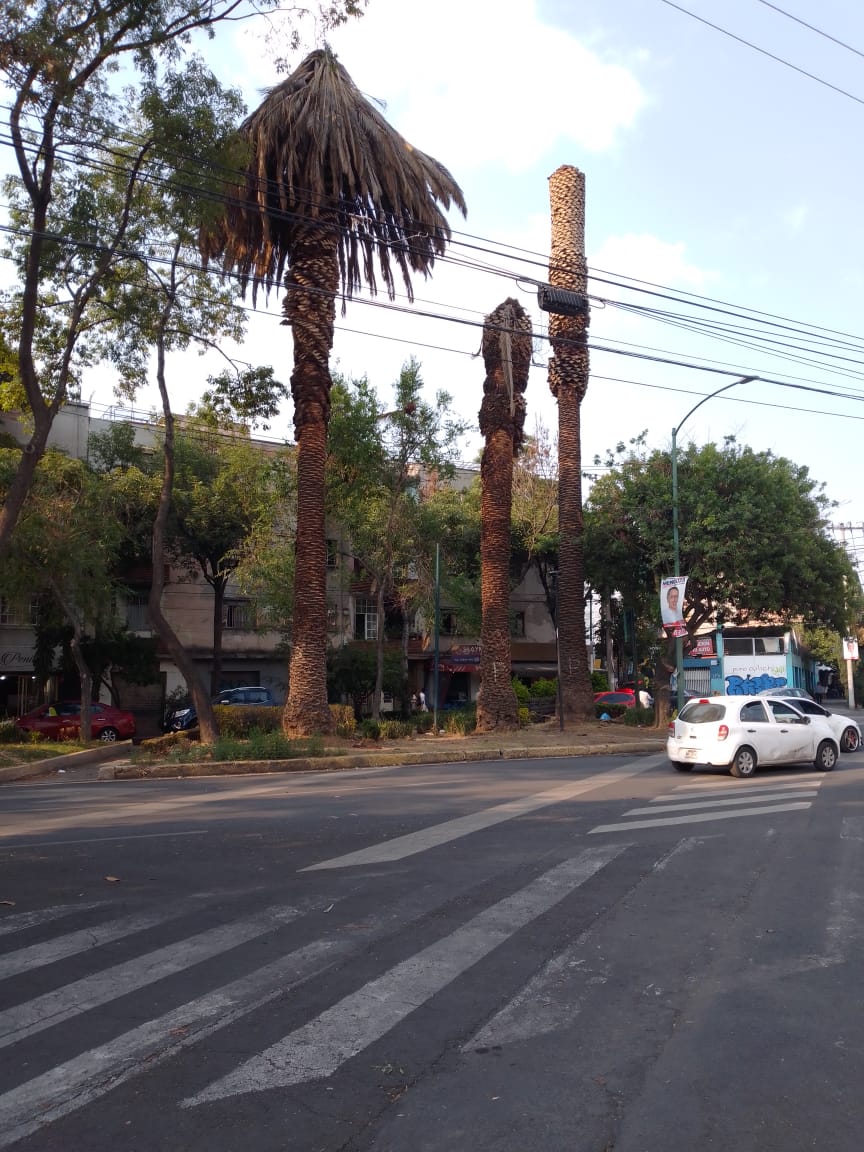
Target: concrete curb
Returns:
[70, 760]
[367, 760]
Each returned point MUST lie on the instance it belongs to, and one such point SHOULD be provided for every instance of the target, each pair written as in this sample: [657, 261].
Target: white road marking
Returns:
[699, 817]
[79, 1081]
[18, 921]
[713, 802]
[100, 840]
[426, 838]
[38, 955]
[796, 778]
[111, 983]
[737, 790]
[317, 1049]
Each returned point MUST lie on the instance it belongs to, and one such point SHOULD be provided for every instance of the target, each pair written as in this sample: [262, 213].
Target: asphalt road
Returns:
[573, 955]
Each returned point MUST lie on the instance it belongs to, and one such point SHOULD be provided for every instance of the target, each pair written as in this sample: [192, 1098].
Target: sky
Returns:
[711, 170]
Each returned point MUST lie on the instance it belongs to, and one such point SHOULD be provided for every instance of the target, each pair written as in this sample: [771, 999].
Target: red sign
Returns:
[703, 646]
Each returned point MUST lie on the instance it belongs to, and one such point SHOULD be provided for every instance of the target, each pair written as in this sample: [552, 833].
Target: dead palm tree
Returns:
[568, 380]
[507, 356]
[330, 190]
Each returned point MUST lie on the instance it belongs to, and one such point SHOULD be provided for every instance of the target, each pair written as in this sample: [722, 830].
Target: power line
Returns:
[812, 28]
[765, 52]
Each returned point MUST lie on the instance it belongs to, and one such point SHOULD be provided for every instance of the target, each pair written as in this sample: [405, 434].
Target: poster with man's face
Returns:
[672, 592]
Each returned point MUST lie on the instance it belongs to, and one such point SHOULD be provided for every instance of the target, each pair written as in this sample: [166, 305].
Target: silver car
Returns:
[742, 732]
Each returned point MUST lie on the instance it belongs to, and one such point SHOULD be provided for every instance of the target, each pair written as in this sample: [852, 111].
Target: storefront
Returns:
[19, 688]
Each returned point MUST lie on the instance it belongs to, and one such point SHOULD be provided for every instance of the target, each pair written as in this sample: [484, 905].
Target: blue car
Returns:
[185, 718]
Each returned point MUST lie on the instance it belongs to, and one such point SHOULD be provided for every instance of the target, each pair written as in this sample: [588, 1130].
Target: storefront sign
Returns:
[464, 658]
[703, 646]
[16, 659]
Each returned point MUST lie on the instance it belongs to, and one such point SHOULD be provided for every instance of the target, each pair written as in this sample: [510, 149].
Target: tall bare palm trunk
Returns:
[568, 380]
[507, 356]
[310, 309]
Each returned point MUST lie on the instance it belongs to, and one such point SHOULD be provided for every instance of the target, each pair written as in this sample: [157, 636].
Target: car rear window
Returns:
[703, 712]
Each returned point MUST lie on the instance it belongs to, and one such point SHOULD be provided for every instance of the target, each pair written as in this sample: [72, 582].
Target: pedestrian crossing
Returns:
[710, 800]
[98, 992]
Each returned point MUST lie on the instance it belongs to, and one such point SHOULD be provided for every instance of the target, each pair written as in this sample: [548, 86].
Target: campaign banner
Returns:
[673, 590]
[850, 648]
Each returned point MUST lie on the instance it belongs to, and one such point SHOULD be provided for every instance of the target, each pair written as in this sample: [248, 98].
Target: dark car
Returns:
[62, 721]
[185, 718]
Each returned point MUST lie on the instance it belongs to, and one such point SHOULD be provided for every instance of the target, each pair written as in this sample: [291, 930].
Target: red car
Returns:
[61, 721]
[623, 696]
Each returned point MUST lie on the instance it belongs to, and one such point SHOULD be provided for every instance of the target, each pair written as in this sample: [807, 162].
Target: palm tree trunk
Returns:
[310, 309]
[507, 356]
[568, 380]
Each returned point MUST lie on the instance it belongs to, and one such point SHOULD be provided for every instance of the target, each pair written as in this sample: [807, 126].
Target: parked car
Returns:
[623, 696]
[185, 718]
[742, 733]
[787, 693]
[846, 731]
[61, 720]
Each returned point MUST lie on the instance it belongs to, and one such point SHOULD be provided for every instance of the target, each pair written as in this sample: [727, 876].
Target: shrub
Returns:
[524, 716]
[522, 690]
[396, 729]
[639, 717]
[544, 687]
[599, 682]
[423, 721]
[9, 734]
[613, 710]
[370, 729]
[344, 718]
[461, 721]
[240, 719]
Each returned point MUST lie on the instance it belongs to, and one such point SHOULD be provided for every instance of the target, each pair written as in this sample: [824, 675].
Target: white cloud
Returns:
[482, 83]
[796, 217]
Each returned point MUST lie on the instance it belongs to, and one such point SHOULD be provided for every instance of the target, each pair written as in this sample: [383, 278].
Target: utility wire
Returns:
[765, 52]
[812, 28]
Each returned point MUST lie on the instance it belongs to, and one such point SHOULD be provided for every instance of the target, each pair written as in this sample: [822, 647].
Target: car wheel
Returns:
[109, 735]
[679, 767]
[826, 756]
[850, 741]
[744, 764]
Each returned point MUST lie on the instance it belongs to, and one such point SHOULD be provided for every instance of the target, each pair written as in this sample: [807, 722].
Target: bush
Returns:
[423, 721]
[639, 717]
[599, 682]
[370, 729]
[522, 690]
[524, 716]
[241, 719]
[9, 734]
[544, 688]
[396, 729]
[344, 718]
[461, 721]
[613, 710]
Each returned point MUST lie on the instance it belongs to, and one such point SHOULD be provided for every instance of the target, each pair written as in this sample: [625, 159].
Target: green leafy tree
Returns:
[69, 241]
[753, 539]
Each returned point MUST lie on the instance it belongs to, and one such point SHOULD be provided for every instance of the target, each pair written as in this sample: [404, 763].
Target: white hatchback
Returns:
[742, 732]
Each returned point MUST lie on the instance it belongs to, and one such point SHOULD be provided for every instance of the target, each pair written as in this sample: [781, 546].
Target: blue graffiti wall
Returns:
[753, 685]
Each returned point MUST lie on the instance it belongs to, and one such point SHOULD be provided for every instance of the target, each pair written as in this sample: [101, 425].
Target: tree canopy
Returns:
[753, 537]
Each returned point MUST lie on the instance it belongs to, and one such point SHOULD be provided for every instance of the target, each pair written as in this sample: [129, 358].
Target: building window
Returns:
[19, 613]
[770, 646]
[737, 646]
[238, 616]
[138, 613]
[517, 624]
[449, 624]
[332, 554]
[365, 620]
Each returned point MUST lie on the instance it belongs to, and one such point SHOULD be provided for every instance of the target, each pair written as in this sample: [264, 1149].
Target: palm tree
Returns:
[568, 380]
[330, 187]
[507, 356]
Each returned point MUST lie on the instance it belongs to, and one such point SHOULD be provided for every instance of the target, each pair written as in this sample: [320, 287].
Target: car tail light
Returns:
[722, 732]
[671, 728]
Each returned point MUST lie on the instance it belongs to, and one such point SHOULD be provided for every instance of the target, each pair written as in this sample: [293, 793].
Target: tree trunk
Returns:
[167, 635]
[86, 677]
[22, 481]
[568, 380]
[379, 653]
[218, 585]
[310, 310]
[507, 356]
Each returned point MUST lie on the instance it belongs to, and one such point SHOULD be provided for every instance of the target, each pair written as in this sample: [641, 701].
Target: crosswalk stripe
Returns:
[714, 802]
[19, 921]
[319, 1048]
[784, 781]
[111, 983]
[737, 790]
[38, 955]
[414, 842]
[699, 817]
[70, 1086]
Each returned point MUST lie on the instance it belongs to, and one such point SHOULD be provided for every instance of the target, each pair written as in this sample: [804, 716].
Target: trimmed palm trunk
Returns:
[310, 309]
[568, 380]
[507, 356]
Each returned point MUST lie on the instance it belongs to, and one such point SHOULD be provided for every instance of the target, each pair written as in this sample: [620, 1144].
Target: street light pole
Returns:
[679, 645]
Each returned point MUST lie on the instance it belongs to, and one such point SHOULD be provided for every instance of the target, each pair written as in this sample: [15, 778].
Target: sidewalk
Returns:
[591, 738]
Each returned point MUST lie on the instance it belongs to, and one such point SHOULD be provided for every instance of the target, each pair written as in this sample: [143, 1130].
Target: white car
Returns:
[846, 731]
[742, 732]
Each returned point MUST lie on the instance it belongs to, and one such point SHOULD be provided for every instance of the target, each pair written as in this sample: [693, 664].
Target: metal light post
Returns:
[437, 635]
[679, 646]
